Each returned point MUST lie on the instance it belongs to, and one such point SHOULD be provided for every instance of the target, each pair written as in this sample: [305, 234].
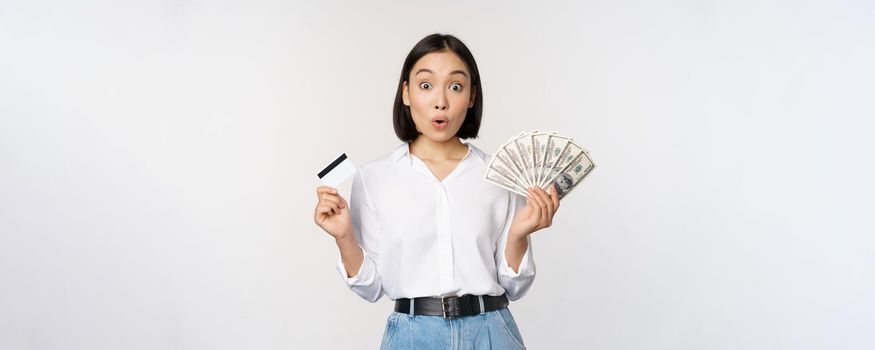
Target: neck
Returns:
[427, 149]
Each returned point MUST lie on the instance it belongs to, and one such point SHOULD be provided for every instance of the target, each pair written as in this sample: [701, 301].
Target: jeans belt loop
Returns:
[411, 306]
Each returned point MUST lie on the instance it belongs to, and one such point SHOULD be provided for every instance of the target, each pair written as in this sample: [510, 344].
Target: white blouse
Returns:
[424, 237]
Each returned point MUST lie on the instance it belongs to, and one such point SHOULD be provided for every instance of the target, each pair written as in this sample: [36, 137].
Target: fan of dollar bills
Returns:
[539, 159]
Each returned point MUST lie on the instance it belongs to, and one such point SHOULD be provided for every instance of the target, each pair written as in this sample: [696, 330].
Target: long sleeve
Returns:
[515, 283]
[366, 283]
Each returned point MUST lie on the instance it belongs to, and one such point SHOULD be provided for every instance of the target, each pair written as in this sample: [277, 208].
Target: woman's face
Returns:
[439, 93]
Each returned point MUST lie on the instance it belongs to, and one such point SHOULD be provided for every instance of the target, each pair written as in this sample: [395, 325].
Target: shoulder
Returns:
[385, 160]
[382, 166]
[477, 152]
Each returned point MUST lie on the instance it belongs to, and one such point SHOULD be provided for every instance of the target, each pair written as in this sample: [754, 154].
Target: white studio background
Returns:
[158, 160]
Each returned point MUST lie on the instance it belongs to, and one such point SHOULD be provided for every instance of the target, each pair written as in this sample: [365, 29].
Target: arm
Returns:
[516, 268]
[514, 251]
[350, 255]
[359, 249]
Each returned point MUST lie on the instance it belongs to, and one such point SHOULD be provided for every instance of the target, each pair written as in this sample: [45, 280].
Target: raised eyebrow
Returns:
[426, 70]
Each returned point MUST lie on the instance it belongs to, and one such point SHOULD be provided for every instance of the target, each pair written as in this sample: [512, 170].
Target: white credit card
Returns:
[337, 172]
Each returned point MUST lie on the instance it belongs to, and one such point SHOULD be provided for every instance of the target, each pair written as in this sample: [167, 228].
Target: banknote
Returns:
[554, 147]
[539, 159]
[569, 152]
[572, 174]
[501, 174]
[509, 163]
[515, 154]
[539, 144]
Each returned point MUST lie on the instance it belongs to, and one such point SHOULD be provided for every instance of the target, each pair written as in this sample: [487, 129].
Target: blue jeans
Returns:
[489, 330]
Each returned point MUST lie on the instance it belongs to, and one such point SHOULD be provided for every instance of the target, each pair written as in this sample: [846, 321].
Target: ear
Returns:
[404, 96]
[473, 98]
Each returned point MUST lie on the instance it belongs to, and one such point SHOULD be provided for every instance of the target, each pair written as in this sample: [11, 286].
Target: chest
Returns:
[417, 207]
[440, 169]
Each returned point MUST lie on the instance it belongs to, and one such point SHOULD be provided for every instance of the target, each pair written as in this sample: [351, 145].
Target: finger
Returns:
[545, 213]
[325, 210]
[542, 207]
[336, 198]
[343, 203]
[546, 199]
[548, 204]
[330, 198]
[554, 195]
[331, 204]
[551, 208]
[530, 197]
[325, 189]
[321, 214]
[530, 202]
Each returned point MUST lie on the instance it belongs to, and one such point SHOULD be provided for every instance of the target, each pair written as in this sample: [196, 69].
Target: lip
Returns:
[440, 122]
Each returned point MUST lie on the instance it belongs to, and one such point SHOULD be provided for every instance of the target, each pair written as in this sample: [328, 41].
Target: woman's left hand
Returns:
[537, 214]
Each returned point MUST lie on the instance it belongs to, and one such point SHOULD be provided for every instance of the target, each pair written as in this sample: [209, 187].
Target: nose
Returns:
[441, 103]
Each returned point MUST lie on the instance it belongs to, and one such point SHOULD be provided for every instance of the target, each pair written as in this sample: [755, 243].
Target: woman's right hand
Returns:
[332, 213]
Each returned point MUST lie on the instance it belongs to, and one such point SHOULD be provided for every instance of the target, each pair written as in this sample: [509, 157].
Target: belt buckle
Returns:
[454, 310]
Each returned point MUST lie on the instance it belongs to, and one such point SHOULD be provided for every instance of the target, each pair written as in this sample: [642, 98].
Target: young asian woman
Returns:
[424, 228]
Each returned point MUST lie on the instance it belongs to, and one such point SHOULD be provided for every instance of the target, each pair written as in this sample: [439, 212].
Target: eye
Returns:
[456, 87]
[425, 85]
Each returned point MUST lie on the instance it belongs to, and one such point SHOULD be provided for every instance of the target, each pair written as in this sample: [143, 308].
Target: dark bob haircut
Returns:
[401, 117]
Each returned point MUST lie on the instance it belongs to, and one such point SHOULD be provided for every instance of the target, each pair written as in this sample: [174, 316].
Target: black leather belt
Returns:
[451, 307]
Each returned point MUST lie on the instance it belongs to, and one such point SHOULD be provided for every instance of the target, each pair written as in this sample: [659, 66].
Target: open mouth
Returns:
[439, 122]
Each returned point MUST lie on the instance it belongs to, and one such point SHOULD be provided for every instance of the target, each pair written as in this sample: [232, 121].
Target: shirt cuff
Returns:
[365, 275]
[525, 266]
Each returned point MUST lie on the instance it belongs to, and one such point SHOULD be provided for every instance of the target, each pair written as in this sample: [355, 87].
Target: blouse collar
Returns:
[403, 151]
